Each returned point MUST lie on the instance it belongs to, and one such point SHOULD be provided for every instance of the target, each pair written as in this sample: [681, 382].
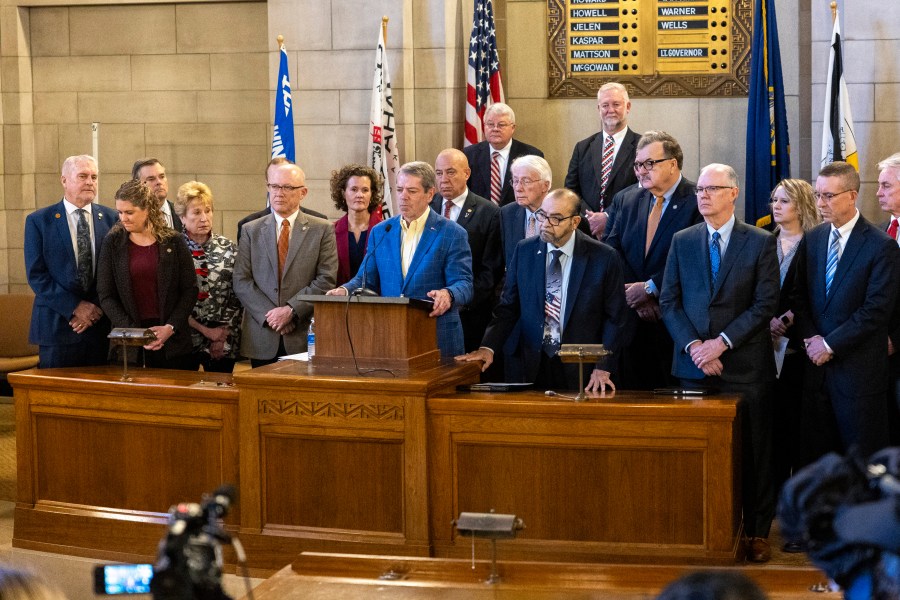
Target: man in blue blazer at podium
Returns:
[419, 254]
[62, 243]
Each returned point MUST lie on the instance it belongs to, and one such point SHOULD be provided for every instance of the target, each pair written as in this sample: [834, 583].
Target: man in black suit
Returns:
[561, 288]
[719, 292]
[151, 173]
[500, 147]
[889, 200]
[601, 165]
[278, 160]
[650, 215]
[846, 289]
[481, 220]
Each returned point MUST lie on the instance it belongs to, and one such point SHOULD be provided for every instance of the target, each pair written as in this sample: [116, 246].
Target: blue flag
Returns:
[768, 148]
[283, 131]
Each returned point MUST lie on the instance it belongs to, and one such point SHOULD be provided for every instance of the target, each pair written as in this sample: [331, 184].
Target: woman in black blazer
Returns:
[145, 277]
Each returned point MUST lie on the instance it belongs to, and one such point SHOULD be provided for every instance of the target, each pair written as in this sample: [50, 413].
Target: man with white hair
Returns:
[601, 164]
[492, 159]
[889, 199]
[720, 289]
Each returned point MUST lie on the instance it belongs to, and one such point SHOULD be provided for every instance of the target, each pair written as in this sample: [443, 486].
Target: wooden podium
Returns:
[389, 333]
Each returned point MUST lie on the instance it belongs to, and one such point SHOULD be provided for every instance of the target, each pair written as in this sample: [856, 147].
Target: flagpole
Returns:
[279, 41]
[384, 22]
[833, 11]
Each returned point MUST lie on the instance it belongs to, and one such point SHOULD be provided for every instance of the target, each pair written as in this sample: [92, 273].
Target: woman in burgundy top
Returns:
[356, 190]
[145, 277]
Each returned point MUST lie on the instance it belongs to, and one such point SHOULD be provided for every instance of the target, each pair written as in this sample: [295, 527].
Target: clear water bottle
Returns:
[311, 339]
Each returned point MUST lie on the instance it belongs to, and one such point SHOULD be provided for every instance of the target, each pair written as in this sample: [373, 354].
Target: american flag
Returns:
[483, 85]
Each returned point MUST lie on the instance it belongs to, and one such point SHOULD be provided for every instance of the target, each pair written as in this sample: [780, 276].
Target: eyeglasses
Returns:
[712, 189]
[501, 125]
[524, 181]
[284, 188]
[828, 196]
[552, 219]
[649, 163]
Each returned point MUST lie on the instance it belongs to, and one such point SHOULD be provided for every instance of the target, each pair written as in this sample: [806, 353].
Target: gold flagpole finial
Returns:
[384, 22]
[833, 11]
[280, 40]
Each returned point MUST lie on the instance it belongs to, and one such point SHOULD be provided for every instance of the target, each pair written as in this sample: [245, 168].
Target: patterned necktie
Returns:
[532, 226]
[892, 229]
[653, 222]
[606, 167]
[85, 259]
[832, 262]
[448, 206]
[495, 178]
[715, 257]
[283, 241]
[552, 305]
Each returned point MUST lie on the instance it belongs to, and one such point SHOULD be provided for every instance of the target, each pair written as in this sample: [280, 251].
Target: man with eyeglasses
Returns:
[720, 289]
[846, 290]
[151, 173]
[648, 217]
[278, 160]
[601, 164]
[561, 288]
[282, 256]
[491, 159]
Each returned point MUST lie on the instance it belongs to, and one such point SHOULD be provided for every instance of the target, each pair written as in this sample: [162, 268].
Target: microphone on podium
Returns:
[362, 290]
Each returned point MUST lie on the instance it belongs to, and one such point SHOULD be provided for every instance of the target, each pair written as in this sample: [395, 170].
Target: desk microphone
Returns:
[362, 290]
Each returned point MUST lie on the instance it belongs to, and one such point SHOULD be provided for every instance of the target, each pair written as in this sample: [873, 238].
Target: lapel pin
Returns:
[57, 215]
[99, 215]
[674, 207]
[469, 212]
[305, 227]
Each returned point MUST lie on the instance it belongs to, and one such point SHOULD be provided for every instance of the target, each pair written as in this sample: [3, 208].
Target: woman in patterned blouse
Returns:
[216, 319]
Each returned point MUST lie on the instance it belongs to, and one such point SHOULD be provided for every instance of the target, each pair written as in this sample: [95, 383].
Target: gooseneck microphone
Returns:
[362, 290]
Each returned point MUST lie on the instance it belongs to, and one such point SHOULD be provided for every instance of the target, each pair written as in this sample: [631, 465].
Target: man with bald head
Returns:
[62, 243]
[283, 255]
[601, 165]
[491, 159]
[481, 220]
[720, 289]
[562, 287]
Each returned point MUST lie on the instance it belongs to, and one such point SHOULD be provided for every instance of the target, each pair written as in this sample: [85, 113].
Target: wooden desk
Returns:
[334, 461]
[99, 461]
[634, 478]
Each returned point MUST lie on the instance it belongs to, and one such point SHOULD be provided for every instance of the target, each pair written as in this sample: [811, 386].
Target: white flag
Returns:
[838, 139]
[382, 152]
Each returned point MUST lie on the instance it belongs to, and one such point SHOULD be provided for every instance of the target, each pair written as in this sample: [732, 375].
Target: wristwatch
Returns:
[647, 289]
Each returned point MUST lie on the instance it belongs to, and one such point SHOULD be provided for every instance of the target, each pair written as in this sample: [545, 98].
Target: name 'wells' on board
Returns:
[648, 37]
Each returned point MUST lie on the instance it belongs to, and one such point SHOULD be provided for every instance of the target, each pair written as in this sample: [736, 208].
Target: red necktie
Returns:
[892, 229]
[495, 178]
[283, 241]
[448, 206]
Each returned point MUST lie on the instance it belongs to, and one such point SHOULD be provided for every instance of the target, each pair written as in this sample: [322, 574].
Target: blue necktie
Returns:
[831, 264]
[552, 305]
[715, 257]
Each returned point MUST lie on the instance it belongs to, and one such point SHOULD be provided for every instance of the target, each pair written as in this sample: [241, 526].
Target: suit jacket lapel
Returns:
[301, 224]
[468, 209]
[668, 217]
[484, 173]
[854, 244]
[269, 241]
[621, 155]
[538, 289]
[700, 246]
[597, 157]
[429, 234]
[62, 230]
[576, 274]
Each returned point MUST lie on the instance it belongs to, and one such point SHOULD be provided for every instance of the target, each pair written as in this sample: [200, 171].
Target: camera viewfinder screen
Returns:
[128, 579]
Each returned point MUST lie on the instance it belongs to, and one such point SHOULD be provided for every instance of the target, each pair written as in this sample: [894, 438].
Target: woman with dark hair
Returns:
[216, 319]
[356, 190]
[794, 212]
[145, 277]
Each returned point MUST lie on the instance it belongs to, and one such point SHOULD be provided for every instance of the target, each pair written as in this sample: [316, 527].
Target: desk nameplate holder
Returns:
[581, 354]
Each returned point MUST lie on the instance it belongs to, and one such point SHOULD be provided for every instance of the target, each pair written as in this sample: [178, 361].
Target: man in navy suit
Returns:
[67, 323]
[561, 288]
[601, 164]
[720, 289]
[420, 254]
[151, 173]
[481, 220]
[846, 289]
[650, 214]
[889, 199]
[499, 146]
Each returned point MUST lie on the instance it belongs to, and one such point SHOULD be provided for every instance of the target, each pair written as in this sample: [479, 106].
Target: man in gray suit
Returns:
[282, 255]
[720, 289]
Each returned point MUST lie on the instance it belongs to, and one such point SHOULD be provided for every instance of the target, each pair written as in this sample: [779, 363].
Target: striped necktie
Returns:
[606, 167]
[495, 178]
[834, 251]
[283, 242]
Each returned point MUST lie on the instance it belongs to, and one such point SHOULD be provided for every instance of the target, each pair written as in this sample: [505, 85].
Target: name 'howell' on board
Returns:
[593, 13]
